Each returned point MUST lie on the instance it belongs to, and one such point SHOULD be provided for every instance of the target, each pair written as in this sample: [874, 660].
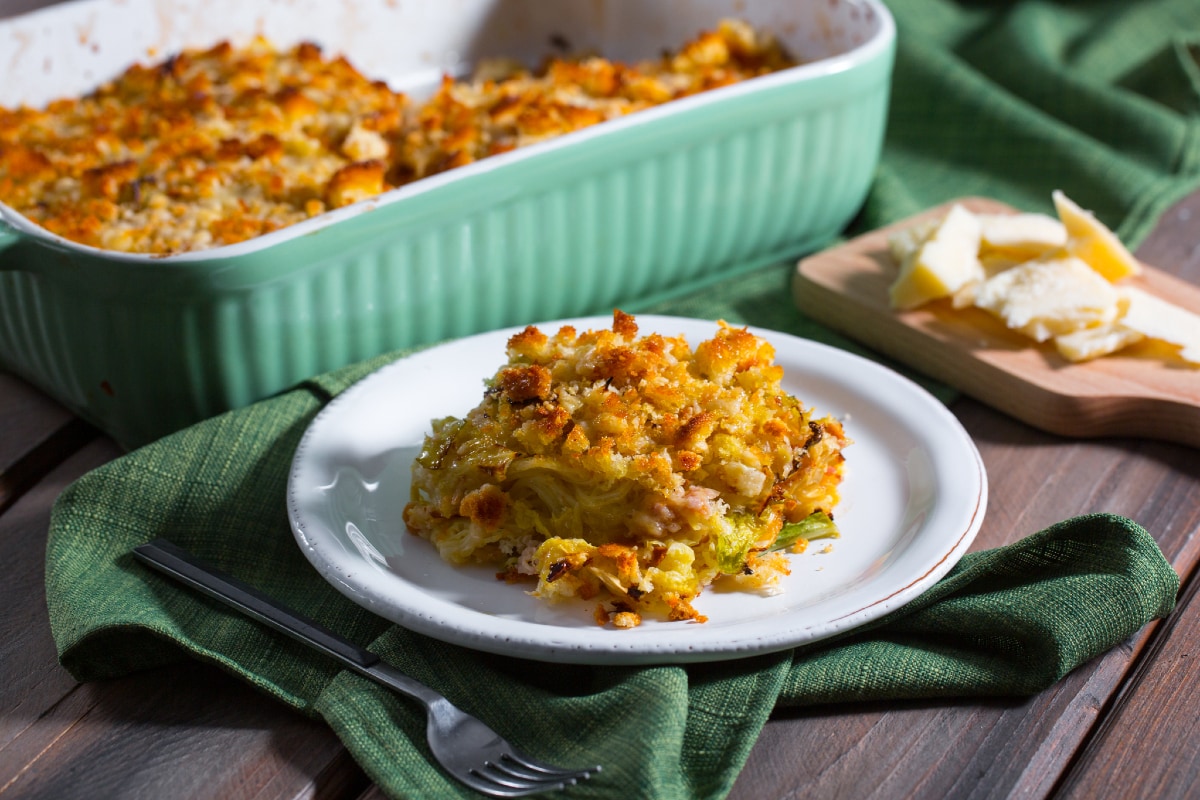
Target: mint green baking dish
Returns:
[611, 215]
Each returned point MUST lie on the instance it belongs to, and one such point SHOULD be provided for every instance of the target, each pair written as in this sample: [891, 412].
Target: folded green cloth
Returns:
[1009, 100]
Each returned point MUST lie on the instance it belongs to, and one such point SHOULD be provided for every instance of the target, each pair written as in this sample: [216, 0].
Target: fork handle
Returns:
[183, 566]
[178, 563]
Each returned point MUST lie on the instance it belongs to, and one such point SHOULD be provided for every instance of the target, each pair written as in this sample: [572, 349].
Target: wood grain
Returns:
[29, 417]
[1150, 745]
[1143, 391]
[37, 434]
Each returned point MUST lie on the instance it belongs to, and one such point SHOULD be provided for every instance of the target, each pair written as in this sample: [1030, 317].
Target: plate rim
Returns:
[548, 647]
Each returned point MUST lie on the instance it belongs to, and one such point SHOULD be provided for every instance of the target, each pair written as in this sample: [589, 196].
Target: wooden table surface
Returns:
[1124, 725]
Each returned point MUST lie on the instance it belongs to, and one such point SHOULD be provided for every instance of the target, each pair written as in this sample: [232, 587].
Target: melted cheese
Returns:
[1155, 318]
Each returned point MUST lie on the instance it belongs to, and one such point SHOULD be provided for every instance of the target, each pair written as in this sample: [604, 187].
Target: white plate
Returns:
[914, 497]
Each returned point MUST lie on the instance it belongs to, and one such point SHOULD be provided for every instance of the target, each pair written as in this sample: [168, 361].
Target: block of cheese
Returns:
[1049, 297]
[1091, 241]
[1157, 319]
[1144, 316]
[942, 263]
[1021, 237]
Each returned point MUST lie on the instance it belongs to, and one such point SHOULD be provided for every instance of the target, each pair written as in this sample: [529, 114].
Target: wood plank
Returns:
[189, 730]
[29, 417]
[1145, 390]
[33, 680]
[1172, 244]
[36, 430]
[47, 454]
[1149, 745]
[185, 731]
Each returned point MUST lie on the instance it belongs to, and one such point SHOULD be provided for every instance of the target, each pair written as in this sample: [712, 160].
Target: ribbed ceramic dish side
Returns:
[588, 231]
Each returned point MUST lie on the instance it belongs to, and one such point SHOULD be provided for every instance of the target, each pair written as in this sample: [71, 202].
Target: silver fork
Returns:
[466, 748]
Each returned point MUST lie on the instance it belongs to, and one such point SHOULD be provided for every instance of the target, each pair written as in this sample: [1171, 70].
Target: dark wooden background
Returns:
[1124, 725]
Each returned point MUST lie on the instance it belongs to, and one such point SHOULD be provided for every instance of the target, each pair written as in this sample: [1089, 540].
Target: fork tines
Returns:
[515, 775]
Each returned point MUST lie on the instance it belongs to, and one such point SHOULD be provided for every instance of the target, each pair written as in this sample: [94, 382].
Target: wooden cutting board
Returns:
[1145, 390]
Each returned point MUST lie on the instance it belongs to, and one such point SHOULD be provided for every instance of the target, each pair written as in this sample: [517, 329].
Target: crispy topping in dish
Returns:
[205, 149]
[631, 470]
[213, 147]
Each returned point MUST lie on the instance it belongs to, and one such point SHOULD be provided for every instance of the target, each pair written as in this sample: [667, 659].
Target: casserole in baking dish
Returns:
[214, 146]
[611, 214]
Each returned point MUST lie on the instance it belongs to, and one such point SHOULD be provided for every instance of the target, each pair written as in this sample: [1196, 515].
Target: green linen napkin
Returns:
[1005, 99]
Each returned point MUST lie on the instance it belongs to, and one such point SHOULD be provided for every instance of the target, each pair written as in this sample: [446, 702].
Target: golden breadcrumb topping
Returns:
[631, 470]
[217, 146]
[205, 149]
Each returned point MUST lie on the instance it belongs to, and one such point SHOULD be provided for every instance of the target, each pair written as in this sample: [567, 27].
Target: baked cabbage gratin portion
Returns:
[631, 470]
[216, 146]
